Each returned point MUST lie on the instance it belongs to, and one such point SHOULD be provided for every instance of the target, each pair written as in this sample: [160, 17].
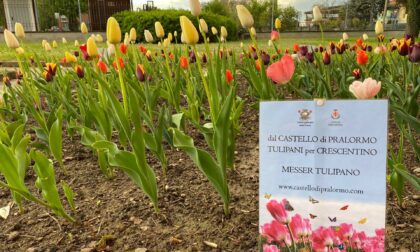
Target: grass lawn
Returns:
[32, 48]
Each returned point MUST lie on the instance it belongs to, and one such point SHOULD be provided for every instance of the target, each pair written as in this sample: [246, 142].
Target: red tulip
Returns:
[296, 48]
[121, 64]
[183, 62]
[282, 71]
[140, 72]
[142, 49]
[362, 57]
[123, 48]
[229, 76]
[278, 211]
[79, 71]
[102, 66]
[83, 48]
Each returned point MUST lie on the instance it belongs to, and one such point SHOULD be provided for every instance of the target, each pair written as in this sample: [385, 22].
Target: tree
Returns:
[217, 7]
[413, 19]
[289, 18]
[364, 10]
[69, 8]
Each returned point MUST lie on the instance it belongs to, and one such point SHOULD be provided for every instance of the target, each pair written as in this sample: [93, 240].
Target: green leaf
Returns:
[68, 192]
[415, 181]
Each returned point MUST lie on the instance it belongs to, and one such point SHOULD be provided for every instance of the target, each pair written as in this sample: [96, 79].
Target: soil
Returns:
[114, 215]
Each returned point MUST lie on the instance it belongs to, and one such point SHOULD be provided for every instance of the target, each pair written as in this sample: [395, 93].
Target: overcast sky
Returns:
[300, 5]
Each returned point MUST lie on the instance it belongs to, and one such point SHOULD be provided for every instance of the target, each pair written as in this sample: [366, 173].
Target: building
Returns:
[328, 13]
[22, 11]
[101, 10]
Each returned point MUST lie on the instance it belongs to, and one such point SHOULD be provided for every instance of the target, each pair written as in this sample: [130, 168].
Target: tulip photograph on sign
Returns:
[139, 126]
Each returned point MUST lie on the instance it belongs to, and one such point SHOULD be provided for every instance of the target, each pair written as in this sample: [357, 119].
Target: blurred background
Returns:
[296, 15]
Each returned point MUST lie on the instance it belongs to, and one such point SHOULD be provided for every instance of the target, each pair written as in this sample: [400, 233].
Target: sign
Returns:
[323, 175]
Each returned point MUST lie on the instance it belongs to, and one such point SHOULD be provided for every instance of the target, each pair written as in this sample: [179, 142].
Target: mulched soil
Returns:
[114, 215]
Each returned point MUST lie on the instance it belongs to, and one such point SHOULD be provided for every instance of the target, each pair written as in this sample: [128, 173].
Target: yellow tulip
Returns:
[83, 28]
[175, 34]
[20, 50]
[245, 17]
[195, 8]
[253, 32]
[47, 46]
[113, 31]
[10, 39]
[76, 43]
[54, 45]
[365, 37]
[92, 50]
[133, 34]
[98, 38]
[160, 32]
[64, 40]
[148, 36]
[170, 37]
[214, 30]
[126, 39]
[166, 42]
[379, 27]
[70, 58]
[203, 26]
[43, 43]
[223, 32]
[19, 31]
[277, 23]
[188, 30]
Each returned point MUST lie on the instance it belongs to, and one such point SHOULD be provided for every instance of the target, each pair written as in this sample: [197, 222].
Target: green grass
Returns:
[32, 48]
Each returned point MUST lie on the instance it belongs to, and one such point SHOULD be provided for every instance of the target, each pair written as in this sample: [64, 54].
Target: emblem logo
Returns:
[335, 114]
[305, 114]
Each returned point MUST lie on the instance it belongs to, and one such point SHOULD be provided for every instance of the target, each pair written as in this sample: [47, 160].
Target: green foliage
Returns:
[69, 8]
[145, 20]
[217, 7]
[289, 18]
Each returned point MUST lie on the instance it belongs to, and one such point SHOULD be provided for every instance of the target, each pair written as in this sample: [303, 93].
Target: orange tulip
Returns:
[123, 48]
[257, 65]
[362, 57]
[114, 64]
[102, 66]
[183, 61]
[229, 76]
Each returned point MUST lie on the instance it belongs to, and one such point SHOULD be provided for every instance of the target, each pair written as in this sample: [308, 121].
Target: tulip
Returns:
[148, 36]
[10, 39]
[19, 30]
[6, 81]
[195, 8]
[203, 26]
[183, 62]
[175, 34]
[282, 71]
[303, 50]
[166, 43]
[365, 37]
[317, 15]
[43, 43]
[356, 73]
[20, 50]
[54, 44]
[379, 27]
[366, 89]
[91, 49]
[415, 53]
[98, 38]
[277, 23]
[326, 58]
[110, 49]
[275, 35]
[123, 48]
[76, 43]
[47, 76]
[127, 39]
[113, 31]
[362, 57]
[245, 17]
[188, 31]
[229, 76]
[170, 37]
[270, 248]
[345, 36]
[47, 47]
[133, 35]
[102, 66]
[83, 28]
[79, 71]
[253, 32]
[380, 50]
[403, 46]
[275, 231]
[223, 32]
[214, 30]
[140, 72]
[64, 40]
[51, 68]
[310, 57]
[270, 43]
[160, 33]
[70, 58]
[277, 209]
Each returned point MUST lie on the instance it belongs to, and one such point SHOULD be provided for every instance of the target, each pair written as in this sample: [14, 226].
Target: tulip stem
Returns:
[120, 76]
[291, 236]
[322, 33]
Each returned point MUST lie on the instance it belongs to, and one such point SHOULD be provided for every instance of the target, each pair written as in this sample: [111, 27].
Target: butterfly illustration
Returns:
[362, 221]
[267, 196]
[287, 205]
[312, 200]
[312, 216]
[339, 246]
[332, 219]
[344, 208]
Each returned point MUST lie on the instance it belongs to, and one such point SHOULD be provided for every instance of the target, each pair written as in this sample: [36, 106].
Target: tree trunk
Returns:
[413, 19]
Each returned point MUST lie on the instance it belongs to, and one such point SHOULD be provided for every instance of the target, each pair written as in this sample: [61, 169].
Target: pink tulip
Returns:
[346, 231]
[380, 232]
[297, 225]
[275, 231]
[308, 228]
[323, 236]
[366, 90]
[282, 71]
[270, 248]
[274, 35]
[278, 211]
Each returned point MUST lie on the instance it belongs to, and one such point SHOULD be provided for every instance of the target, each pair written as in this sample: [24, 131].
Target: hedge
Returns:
[145, 20]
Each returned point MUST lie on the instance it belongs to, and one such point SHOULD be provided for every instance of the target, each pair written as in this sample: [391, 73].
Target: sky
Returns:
[300, 5]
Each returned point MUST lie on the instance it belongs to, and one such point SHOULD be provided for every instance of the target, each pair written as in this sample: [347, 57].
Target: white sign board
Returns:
[323, 174]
